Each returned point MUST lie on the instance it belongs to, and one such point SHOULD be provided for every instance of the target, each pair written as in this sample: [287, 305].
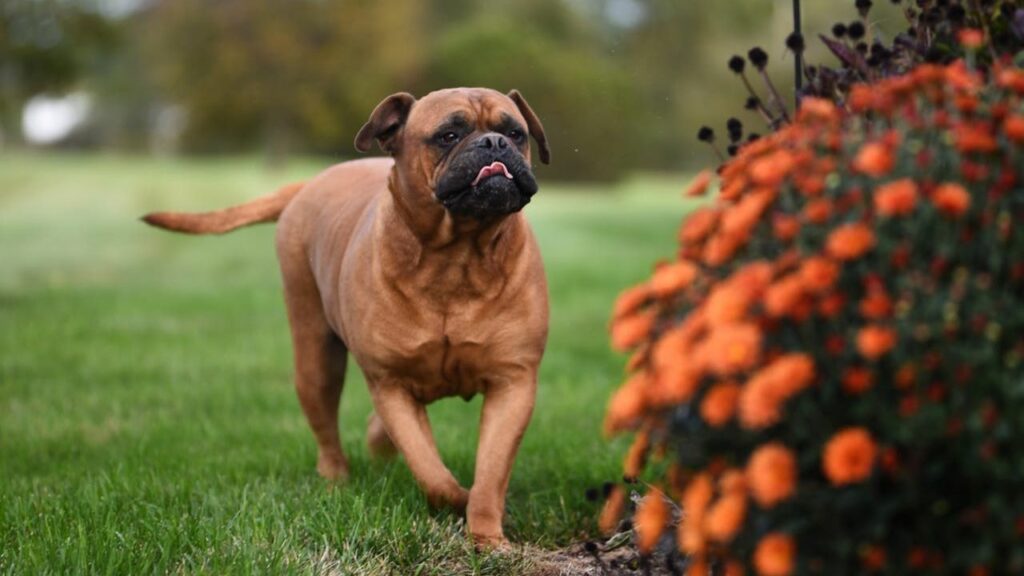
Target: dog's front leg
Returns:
[508, 406]
[405, 420]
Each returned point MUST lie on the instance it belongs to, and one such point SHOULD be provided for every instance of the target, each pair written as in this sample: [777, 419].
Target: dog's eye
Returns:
[448, 138]
[516, 135]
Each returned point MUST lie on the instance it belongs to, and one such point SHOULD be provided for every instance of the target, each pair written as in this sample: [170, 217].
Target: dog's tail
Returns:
[263, 209]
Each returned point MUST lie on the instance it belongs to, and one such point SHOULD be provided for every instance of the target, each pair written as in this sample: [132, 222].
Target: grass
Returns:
[147, 418]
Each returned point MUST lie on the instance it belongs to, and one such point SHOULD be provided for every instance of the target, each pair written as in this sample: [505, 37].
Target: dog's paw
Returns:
[491, 543]
[332, 468]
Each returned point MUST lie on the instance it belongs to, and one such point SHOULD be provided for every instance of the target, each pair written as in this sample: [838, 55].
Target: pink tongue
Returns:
[491, 170]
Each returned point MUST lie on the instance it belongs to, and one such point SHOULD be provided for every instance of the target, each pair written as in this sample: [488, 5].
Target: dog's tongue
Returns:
[490, 170]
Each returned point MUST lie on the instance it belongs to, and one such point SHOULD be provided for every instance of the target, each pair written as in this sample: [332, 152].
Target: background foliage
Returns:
[620, 84]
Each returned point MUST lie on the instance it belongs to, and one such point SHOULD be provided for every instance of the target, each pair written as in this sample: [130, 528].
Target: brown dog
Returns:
[423, 268]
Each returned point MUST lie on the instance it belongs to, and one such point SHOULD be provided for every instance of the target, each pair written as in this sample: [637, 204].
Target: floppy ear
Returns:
[534, 125]
[385, 122]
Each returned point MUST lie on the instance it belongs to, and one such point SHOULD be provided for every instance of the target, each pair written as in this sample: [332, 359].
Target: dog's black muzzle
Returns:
[487, 178]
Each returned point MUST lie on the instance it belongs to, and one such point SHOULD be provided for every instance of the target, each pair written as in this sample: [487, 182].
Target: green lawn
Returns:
[147, 417]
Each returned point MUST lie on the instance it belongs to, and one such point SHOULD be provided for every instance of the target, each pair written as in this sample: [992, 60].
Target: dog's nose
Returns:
[492, 141]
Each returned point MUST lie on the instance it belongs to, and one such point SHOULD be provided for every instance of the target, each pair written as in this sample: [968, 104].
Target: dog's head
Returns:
[468, 148]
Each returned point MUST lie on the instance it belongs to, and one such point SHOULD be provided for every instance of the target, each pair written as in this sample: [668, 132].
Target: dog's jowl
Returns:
[423, 268]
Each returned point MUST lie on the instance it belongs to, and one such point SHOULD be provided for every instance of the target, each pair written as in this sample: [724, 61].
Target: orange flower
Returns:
[671, 278]
[721, 247]
[727, 303]
[772, 474]
[651, 516]
[1014, 128]
[741, 218]
[611, 512]
[818, 211]
[818, 108]
[699, 185]
[674, 343]
[782, 297]
[818, 274]
[732, 481]
[874, 159]
[698, 225]
[695, 501]
[698, 495]
[719, 404]
[793, 372]
[627, 404]
[772, 168]
[974, 138]
[761, 399]
[786, 227]
[628, 331]
[674, 383]
[857, 380]
[636, 456]
[774, 555]
[724, 519]
[951, 199]
[876, 305]
[849, 456]
[896, 198]
[630, 299]
[875, 341]
[850, 241]
[971, 38]
[733, 348]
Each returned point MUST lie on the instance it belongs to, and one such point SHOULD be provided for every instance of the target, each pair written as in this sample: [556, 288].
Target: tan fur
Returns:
[263, 209]
[428, 305]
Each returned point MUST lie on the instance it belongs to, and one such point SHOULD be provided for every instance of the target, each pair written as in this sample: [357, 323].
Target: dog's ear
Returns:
[385, 123]
[534, 125]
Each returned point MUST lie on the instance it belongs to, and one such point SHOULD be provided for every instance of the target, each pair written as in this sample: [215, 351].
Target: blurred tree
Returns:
[44, 47]
[570, 85]
[248, 71]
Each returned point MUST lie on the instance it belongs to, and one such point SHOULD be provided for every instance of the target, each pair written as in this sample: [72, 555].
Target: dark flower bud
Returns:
[734, 125]
[732, 149]
[862, 47]
[705, 134]
[753, 136]
[855, 30]
[795, 42]
[737, 64]
[751, 103]
[873, 61]
[839, 30]
[758, 57]
[863, 7]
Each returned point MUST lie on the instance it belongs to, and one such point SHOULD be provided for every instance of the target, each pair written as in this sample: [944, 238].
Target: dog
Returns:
[422, 266]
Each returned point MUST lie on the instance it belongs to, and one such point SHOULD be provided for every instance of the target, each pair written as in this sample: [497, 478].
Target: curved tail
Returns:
[263, 209]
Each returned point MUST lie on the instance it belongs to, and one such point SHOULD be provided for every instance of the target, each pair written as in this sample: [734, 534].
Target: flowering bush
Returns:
[833, 368]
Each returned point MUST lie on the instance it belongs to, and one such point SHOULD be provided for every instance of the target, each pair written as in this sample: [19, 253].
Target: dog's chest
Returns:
[433, 356]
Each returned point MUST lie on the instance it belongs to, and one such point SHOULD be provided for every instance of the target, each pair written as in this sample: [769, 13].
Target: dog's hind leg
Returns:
[320, 359]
